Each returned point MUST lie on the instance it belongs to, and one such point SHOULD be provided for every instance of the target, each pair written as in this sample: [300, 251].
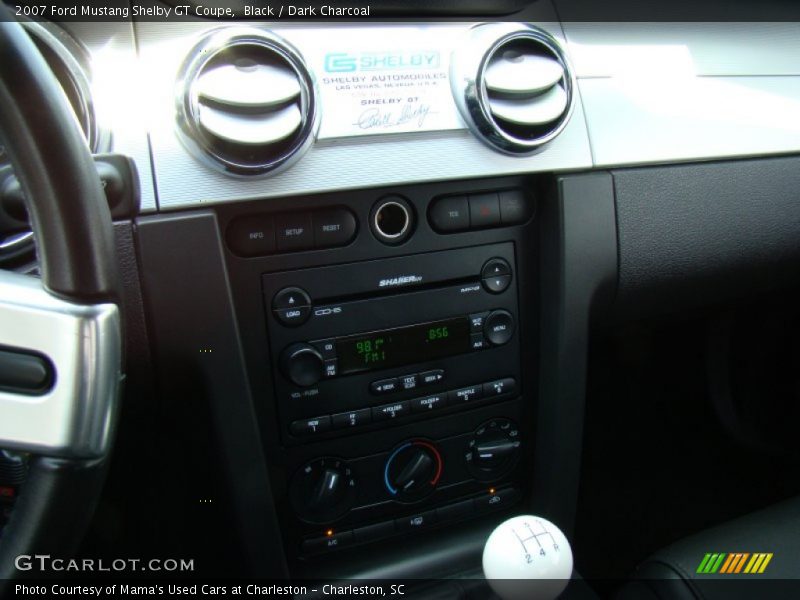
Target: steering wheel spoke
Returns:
[58, 390]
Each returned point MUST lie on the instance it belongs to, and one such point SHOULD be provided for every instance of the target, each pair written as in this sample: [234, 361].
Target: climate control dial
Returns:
[493, 450]
[323, 490]
[413, 470]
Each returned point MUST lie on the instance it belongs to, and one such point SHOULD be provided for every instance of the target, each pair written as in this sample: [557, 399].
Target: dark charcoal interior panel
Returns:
[695, 234]
[199, 366]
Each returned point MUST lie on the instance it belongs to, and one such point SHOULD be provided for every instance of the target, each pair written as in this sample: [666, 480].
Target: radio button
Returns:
[476, 322]
[495, 267]
[496, 275]
[355, 418]
[499, 327]
[385, 386]
[390, 411]
[450, 214]
[334, 227]
[500, 387]
[291, 297]
[408, 382]
[326, 349]
[427, 403]
[292, 306]
[496, 285]
[293, 316]
[315, 425]
[431, 377]
[331, 367]
[478, 342]
[467, 394]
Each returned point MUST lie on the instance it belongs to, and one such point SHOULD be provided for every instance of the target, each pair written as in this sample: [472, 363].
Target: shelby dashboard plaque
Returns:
[386, 80]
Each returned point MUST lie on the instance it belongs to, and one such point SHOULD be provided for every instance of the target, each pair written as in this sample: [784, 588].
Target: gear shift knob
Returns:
[529, 558]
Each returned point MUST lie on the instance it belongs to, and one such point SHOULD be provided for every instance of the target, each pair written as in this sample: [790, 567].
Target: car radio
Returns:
[365, 344]
[427, 345]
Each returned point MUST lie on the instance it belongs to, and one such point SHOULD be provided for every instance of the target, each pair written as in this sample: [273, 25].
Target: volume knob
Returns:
[302, 364]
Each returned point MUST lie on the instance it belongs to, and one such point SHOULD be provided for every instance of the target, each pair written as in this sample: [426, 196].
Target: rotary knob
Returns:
[412, 470]
[302, 364]
[493, 450]
[323, 490]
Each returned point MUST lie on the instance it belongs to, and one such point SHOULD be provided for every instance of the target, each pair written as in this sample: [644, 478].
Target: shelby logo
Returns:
[402, 280]
[342, 62]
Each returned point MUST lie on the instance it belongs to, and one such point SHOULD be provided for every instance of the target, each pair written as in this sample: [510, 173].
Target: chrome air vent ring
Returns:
[517, 119]
[246, 102]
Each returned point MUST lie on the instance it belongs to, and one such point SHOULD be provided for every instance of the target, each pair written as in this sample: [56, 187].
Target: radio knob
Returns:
[302, 364]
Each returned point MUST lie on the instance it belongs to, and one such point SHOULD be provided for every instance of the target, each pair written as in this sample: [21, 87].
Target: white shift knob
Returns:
[527, 558]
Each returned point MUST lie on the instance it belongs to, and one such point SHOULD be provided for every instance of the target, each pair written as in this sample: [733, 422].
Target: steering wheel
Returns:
[61, 337]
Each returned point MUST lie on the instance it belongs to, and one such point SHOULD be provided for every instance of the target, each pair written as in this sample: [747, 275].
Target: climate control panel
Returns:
[412, 478]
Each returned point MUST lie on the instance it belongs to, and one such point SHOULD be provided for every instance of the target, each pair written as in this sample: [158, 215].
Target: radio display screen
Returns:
[402, 346]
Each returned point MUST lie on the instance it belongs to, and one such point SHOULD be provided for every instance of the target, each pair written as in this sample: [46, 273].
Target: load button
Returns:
[291, 306]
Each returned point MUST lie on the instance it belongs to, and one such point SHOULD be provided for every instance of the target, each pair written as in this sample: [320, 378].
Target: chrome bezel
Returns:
[467, 68]
[77, 62]
[192, 134]
[76, 416]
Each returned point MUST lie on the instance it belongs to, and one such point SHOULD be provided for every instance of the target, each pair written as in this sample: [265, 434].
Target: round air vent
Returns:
[246, 101]
[513, 85]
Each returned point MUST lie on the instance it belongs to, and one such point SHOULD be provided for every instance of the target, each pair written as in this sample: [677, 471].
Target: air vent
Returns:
[513, 86]
[246, 102]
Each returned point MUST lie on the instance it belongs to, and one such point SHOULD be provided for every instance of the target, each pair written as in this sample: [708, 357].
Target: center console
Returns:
[411, 340]
[389, 341]
[379, 363]
[396, 380]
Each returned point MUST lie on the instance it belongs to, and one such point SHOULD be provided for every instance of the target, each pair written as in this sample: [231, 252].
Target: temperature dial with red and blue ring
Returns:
[413, 470]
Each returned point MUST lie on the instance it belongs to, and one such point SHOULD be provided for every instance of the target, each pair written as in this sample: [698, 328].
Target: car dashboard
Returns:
[369, 255]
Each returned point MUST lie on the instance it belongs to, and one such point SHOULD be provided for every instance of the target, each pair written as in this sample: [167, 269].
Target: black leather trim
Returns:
[671, 574]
